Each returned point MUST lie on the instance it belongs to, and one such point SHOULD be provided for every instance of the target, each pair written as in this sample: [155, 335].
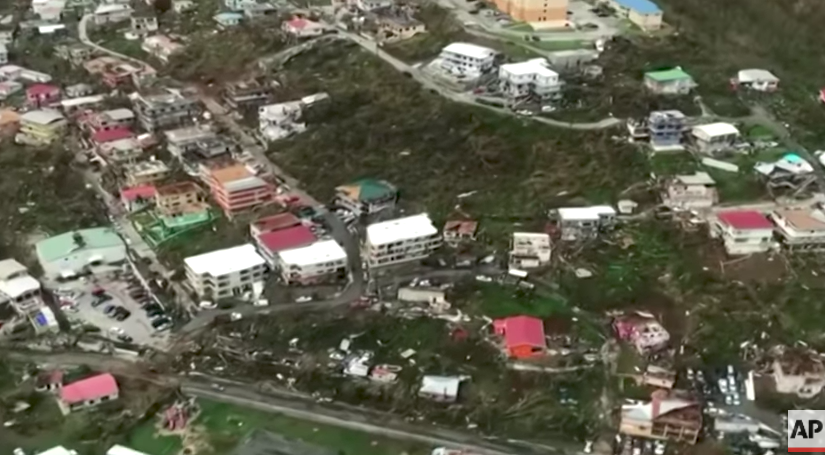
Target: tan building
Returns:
[668, 416]
[178, 198]
[399, 27]
[539, 13]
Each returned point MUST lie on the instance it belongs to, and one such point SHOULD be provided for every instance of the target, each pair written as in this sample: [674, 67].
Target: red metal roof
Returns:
[143, 191]
[276, 222]
[522, 330]
[92, 388]
[285, 239]
[116, 134]
[745, 219]
[298, 23]
[41, 89]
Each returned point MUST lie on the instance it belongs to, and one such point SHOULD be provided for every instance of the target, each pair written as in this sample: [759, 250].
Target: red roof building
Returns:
[116, 134]
[271, 243]
[742, 220]
[273, 223]
[136, 193]
[88, 392]
[523, 336]
[42, 95]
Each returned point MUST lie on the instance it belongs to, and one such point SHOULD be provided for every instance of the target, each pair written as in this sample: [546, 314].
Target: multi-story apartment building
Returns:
[366, 196]
[532, 77]
[165, 110]
[467, 59]
[237, 189]
[800, 229]
[401, 240]
[225, 273]
[245, 94]
[178, 199]
[18, 288]
[667, 128]
[578, 223]
[182, 140]
[320, 261]
[41, 127]
[145, 172]
[690, 192]
[539, 13]
[743, 231]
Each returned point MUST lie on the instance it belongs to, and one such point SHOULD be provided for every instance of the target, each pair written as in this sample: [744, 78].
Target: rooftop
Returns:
[640, 6]
[138, 192]
[276, 222]
[114, 134]
[673, 74]
[462, 227]
[147, 167]
[178, 188]
[715, 129]
[410, 227]
[756, 75]
[42, 116]
[189, 134]
[112, 8]
[286, 239]
[366, 190]
[470, 50]
[224, 262]
[17, 286]
[92, 388]
[41, 89]
[230, 173]
[698, 178]
[54, 248]
[316, 253]
[586, 213]
[745, 219]
[537, 66]
[803, 219]
[522, 330]
[119, 114]
[10, 267]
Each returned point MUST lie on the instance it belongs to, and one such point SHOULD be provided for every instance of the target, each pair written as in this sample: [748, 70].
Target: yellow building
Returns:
[40, 127]
[178, 199]
[538, 13]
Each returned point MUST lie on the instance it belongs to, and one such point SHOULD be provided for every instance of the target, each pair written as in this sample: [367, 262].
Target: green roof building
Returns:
[366, 196]
[674, 81]
[75, 252]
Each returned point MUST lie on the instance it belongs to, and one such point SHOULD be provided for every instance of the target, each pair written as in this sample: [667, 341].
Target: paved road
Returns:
[284, 401]
[465, 98]
[83, 35]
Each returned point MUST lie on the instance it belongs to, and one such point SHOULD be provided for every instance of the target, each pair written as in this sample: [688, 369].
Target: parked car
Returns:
[152, 307]
[110, 310]
[157, 323]
[123, 315]
[101, 298]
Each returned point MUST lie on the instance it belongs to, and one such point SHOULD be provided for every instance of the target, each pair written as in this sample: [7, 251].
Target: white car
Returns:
[659, 448]
[723, 385]
[303, 299]
[728, 400]
[588, 447]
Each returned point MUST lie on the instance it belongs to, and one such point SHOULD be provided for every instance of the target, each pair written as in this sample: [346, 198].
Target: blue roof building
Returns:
[644, 13]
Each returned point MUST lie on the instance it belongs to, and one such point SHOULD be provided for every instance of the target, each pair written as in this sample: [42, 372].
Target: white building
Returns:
[744, 232]
[530, 250]
[160, 46]
[467, 59]
[758, 79]
[313, 263]
[400, 240]
[585, 222]
[533, 77]
[112, 13]
[225, 273]
[801, 229]
[715, 137]
[144, 25]
[18, 288]
[277, 121]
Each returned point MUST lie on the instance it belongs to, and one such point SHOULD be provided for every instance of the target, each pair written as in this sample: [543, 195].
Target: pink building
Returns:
[87, 393]
[39, 95]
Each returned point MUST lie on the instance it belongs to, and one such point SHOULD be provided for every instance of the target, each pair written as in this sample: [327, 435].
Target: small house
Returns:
[690, 192]
[302, 28]
[88, 393]
[109, 13]
[669, 415]
[366, 196]
[530, 250]
[581, 223]
[523, 336]
[398, 25]
[78, 90]
[715, 137]
[757, 79]
[643, 13]
[800, 228]
[457, 231]
[40, 95]
[744, 231]
[669, 82]
[443, 389]
[137, 197]
[144, 25]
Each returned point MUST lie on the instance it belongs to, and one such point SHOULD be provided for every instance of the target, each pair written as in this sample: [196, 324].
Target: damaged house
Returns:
[670, 415]
[690, 192]
[800, 229]
[642, 330]
[791, 171]
[530, 250]
[581, 223]
[798, 372]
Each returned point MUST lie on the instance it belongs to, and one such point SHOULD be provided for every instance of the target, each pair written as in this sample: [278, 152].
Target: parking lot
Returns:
[117, 306]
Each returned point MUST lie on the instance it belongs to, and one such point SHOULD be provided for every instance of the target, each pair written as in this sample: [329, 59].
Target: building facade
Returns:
[690, 192]
[800, 229]
[165, 110]
[577, 223]
[539, 13]
[366, 196]
[666, 128]
[467, 59]
[401, 240]
[533, 77]
[529, 250]
[225, 273]
[744, 232]
[715, 137]
[236, 189]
